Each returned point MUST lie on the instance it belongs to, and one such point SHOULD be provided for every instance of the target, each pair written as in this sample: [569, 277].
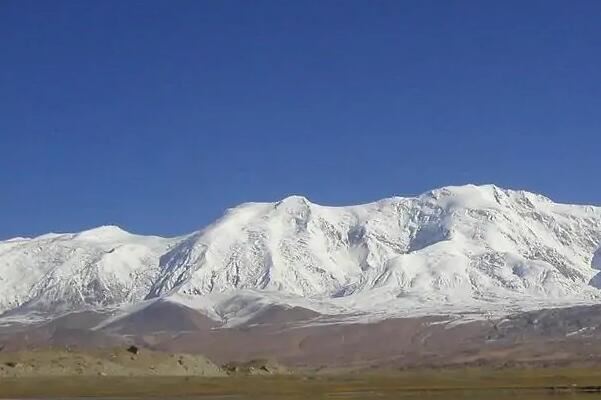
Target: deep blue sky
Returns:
[158, 115]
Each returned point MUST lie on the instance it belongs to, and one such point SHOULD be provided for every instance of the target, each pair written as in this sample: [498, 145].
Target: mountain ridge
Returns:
[456, 247]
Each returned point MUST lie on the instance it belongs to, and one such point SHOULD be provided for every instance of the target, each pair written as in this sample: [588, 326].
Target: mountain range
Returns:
[476, 250]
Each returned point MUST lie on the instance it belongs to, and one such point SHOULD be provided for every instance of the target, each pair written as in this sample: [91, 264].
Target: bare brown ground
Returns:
[302, 339]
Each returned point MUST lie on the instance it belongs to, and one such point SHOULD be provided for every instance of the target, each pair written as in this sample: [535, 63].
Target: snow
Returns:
[464, 250]
[105, 233]
[18, 239]
[62, 271]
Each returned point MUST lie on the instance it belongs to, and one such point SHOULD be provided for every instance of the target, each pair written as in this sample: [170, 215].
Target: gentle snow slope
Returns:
[454, 247]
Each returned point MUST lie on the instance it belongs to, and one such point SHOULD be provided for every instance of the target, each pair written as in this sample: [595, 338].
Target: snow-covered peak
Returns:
[483, 196]
[100, 266]
[293, 201]
[467, 190]
[464, 197]
[18, 239]
[103, 233]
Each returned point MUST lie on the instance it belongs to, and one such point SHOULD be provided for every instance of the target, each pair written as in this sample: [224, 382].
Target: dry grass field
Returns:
[529, 384]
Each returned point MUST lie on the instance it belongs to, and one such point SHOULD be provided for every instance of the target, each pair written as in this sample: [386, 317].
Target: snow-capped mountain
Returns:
[451, 248]
[101, 266]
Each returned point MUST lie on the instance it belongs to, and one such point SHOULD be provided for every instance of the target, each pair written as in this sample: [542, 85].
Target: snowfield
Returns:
[468, 249]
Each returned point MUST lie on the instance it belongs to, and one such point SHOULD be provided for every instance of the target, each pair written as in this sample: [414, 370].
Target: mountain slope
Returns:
[447, 245]
[101, 266]
[452, 248]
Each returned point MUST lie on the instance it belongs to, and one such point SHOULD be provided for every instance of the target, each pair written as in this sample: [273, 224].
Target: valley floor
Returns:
[473, 383]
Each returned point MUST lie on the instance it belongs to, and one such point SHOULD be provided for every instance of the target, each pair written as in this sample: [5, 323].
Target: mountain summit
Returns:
[452, 249]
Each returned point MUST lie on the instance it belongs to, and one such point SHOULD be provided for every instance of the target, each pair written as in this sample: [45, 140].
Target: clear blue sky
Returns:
[158, 115]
